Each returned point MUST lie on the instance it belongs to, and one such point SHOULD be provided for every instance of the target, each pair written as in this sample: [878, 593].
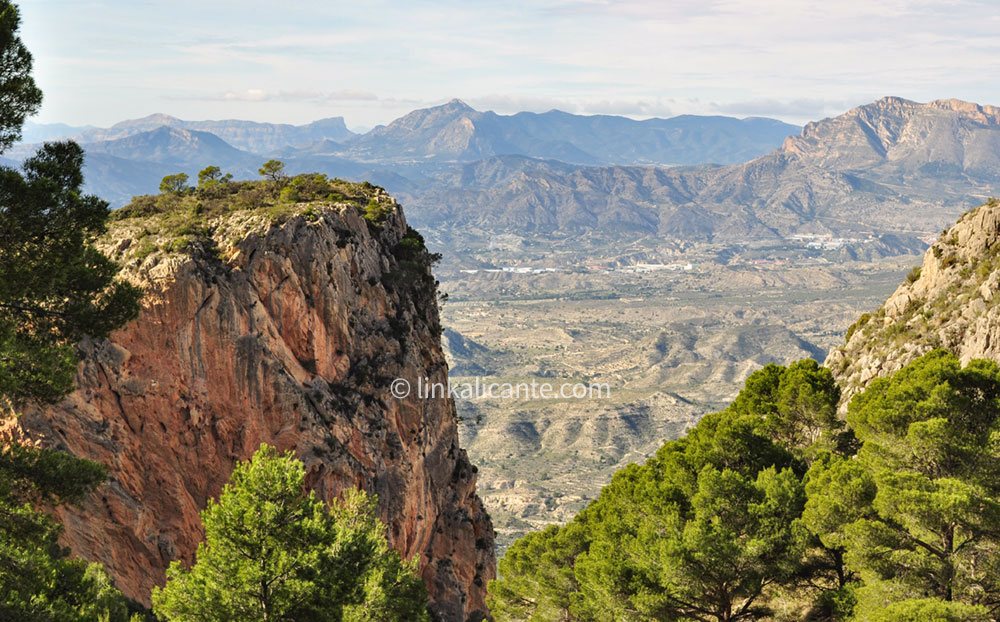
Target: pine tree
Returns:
[55, 288]
[20, 97]
[275, 552]
[917, 513]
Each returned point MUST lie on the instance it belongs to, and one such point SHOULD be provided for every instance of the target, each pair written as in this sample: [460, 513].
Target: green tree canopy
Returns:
[275, 552]
[897, 517]
[697, 533]
[174, 184]
[212, 175]
[539, 583]
[273, 170]
[55, 286]
[799, 404]
[918, 510]
[38, 582]
[20, 97]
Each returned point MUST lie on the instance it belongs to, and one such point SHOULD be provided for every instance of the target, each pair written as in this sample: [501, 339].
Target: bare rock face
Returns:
[951, 301]
[282, 333]
[895, 136]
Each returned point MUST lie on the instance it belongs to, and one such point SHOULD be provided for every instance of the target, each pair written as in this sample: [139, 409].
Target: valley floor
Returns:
[671, 344]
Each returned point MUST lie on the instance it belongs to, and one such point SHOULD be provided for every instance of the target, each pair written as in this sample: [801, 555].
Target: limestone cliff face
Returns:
[283, 333]
[951, 301]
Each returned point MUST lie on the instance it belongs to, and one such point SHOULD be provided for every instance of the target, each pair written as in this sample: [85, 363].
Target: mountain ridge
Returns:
[842, 177]
[250, 136]
[175, 147]
[457, 131]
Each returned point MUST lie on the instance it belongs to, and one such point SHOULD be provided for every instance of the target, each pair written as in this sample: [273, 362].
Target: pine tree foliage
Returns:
[274, 552]
[893, 514]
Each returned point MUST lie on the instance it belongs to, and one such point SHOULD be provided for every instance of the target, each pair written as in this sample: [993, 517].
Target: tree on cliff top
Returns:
[274, 552]
[273, 170]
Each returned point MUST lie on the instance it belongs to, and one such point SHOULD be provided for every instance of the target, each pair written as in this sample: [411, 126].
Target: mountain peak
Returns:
[458, 104]
[330, 122]
[980, 113]
[427, 121]
[175, 146]
[152, 120]
[897, 130]
[899, 105]
[167, 132]
[891, 102]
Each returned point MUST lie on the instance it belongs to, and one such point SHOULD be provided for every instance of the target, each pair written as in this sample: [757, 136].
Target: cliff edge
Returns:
[278, 322]
[951, 301]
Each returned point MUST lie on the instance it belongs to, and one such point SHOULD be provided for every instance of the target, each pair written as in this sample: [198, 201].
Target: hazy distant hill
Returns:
[891, 166]
[455, 131]
[178, 148]
[246, 135]
[41, 132]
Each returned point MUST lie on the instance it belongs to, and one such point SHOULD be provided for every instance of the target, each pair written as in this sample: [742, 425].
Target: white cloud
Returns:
[261, 95]
[796, 59]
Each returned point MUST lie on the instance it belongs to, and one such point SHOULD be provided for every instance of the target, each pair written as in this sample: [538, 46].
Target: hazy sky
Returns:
[102, 61]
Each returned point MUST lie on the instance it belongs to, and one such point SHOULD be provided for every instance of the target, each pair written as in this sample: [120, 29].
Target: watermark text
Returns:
[490, 389]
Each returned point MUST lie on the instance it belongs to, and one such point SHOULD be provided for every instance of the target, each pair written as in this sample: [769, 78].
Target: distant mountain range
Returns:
[893, 167]
[126, 158]
[174, 147]
[457, 132]
[245, 135]
[41, 132]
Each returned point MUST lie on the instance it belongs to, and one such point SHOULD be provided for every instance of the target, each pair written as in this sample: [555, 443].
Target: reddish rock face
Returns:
[292, 341]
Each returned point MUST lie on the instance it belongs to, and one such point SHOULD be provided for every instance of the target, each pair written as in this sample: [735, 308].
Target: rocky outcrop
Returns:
[285, 330]
[952, 301]
[896, 136]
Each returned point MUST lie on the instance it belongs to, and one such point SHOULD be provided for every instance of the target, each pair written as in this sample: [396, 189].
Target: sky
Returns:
[370, 61]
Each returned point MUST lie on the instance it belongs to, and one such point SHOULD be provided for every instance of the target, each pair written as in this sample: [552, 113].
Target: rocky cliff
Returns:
[281, 325]
[950, 301]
